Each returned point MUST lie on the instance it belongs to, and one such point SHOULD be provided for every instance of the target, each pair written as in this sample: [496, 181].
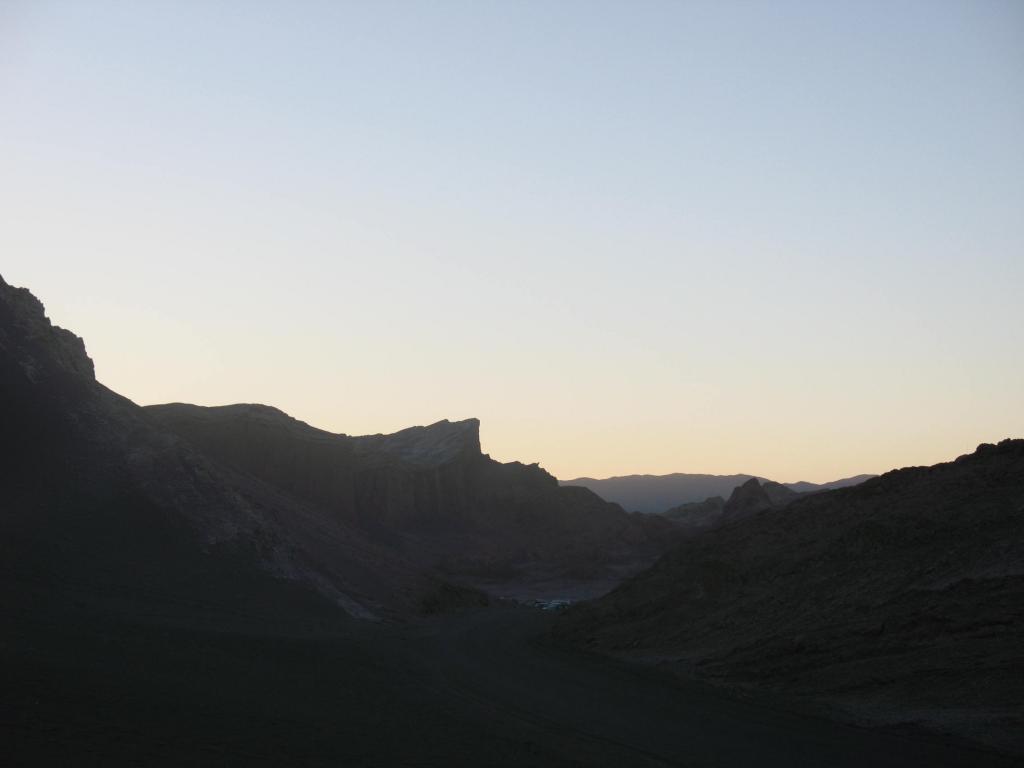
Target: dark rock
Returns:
[904, 594]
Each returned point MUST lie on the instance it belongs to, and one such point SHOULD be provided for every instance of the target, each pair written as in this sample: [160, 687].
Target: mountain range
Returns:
[659, 493]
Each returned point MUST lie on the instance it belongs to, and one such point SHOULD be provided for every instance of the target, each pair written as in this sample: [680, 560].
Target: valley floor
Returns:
[481, 688]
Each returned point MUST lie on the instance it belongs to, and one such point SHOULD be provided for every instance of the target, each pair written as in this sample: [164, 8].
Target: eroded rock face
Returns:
[183, 501]
[98, 502]
[898, 599]
[428, 492]
[34, 344]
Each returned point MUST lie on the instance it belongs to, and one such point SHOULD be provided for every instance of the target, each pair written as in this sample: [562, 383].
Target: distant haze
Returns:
[782, 238]
[658, 493]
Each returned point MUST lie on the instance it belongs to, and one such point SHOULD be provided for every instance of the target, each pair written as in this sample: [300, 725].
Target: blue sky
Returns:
[777, 238]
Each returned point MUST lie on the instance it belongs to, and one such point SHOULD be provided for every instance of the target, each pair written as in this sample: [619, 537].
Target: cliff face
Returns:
[428, 492]
[904, 594]
[29, 341]
[176, 505]
[102, 509]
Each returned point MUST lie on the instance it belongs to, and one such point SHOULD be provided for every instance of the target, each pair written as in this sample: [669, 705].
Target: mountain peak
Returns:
[437, 443]
[747, 499]
[40, 347]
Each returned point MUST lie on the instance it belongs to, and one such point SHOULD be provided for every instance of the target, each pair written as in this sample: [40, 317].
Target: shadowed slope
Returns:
[899, 600]
[104, 510]
[428, 493]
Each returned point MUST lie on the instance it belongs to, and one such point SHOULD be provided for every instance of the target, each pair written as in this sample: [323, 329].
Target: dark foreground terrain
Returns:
[483, 688]
[899, 600]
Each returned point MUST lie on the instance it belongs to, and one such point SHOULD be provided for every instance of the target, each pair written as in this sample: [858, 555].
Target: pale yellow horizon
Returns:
[782, 429]
[674, 238]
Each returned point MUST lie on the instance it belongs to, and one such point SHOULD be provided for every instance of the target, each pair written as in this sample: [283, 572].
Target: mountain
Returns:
[103, 511]
[180, 505]
[658, 493]
[896, 601]
[428, 494]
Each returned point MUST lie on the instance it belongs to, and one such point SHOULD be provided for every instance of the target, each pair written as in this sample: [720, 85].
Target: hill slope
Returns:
[429, 494]
[898, 600]
[105, 511]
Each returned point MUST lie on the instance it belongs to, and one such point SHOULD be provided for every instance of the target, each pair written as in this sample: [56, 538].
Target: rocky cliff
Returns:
[104, 510]
[181, 505]
[427, 492]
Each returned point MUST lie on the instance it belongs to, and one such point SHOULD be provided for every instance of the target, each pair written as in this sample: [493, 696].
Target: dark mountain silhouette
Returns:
[659, 493]
[900, 600]
[103, 510]
[162, 499]
[429, 494]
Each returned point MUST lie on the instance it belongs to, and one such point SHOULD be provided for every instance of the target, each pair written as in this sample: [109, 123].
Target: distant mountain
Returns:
[659, 493]
[896, 601]
[846, 482]
[749, 498]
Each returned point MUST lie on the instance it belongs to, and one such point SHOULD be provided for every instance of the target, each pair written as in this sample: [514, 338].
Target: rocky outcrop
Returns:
[897, 600]
[755, 496]
[29, 340]
[747, 499]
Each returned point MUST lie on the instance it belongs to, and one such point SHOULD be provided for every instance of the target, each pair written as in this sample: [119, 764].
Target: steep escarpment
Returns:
[178, 504]
[105, 511]
[897, 601]
[428, 493]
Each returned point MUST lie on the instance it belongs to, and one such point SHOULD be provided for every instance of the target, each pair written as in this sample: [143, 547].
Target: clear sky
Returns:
[765, 237]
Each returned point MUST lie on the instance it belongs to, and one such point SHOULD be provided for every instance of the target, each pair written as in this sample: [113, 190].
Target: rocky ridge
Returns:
[895, 601]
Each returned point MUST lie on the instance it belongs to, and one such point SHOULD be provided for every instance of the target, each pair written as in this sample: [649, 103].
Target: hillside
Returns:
[430, 495]
[895, 601]
[171, 506]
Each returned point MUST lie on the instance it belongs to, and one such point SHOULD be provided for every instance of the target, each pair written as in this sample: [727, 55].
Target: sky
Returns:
[778, 238]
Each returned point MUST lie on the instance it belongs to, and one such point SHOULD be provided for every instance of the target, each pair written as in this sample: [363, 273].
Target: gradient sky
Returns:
[765, 237]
